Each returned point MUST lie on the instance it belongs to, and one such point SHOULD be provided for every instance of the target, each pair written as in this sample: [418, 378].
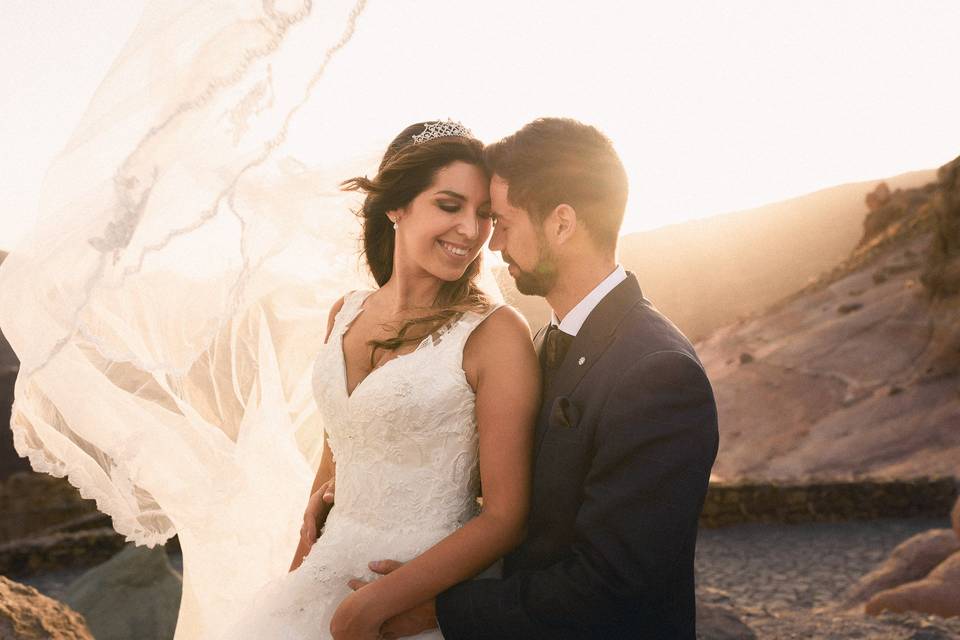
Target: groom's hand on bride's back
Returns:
[314, 517]
[316, 513]
[409, 623]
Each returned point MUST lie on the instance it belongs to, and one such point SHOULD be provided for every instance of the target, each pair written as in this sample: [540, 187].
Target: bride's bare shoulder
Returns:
[503, 321]
[505, 331]
[499, 344]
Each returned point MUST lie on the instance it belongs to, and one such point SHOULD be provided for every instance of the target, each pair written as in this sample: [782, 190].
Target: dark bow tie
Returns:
[555, 346]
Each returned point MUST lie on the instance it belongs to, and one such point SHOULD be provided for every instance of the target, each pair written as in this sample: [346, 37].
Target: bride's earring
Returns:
[396, 224]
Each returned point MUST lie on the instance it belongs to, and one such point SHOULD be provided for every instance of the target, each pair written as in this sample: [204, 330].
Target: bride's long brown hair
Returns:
[406, 170]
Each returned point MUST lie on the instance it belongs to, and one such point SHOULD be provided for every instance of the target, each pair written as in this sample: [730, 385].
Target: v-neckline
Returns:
[349, 393]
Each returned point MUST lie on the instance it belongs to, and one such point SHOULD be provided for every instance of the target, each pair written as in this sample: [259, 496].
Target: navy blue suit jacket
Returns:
[625, 439]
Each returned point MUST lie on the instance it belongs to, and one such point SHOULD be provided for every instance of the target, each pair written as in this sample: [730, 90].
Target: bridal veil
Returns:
[169, 303]
[168, 306]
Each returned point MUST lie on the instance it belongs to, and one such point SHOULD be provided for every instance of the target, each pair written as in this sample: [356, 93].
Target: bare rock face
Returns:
[937, 594]
[858, 373]
[910, 561]
[26, 614]
[831, 395]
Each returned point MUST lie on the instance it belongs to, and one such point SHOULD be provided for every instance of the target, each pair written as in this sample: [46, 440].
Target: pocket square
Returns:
[564, 413]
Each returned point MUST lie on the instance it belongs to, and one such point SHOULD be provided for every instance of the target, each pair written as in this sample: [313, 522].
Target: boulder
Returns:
[135, 594]
[878, 197]
[718, 618]
[911, 560]
[938, 594]
[717, 622]
[27, 614]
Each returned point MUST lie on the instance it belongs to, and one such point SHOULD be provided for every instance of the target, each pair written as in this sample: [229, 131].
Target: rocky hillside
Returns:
[705, 274]
[858, 373]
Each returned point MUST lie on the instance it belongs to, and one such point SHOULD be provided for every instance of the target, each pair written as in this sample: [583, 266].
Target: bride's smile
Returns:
[454, 250]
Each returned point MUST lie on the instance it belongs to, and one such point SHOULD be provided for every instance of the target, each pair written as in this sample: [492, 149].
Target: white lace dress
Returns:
[405, 442]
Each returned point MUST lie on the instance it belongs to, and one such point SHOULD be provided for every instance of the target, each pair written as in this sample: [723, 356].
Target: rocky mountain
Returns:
[707, 273]
[858, 373]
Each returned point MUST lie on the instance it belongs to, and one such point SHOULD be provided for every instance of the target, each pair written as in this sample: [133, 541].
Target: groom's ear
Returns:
[564, 219]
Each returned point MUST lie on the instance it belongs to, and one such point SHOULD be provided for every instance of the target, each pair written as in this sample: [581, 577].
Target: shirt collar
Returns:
[578, 315]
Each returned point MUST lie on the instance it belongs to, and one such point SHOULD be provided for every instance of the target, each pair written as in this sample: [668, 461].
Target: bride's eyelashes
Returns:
[449, 206]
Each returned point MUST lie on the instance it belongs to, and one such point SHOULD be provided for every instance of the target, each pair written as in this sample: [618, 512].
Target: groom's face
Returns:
[522, 244]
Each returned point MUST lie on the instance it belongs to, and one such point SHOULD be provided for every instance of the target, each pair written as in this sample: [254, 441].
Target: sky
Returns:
[713, 106]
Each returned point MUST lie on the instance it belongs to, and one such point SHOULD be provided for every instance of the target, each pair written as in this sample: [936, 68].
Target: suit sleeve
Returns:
[655, 444]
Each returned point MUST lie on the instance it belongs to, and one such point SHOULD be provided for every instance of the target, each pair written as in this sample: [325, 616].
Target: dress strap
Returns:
[462, 328]
[352, 305]
[475, 318]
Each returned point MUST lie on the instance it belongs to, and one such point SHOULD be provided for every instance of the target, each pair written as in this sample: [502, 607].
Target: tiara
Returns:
[440, 129]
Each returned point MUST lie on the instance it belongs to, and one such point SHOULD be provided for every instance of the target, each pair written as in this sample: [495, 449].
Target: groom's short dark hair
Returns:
[553, 161]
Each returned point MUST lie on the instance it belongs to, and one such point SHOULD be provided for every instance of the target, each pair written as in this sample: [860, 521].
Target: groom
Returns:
[627, 430]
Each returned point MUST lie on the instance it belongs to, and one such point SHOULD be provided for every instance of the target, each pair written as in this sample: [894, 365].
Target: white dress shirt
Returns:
[572, 322]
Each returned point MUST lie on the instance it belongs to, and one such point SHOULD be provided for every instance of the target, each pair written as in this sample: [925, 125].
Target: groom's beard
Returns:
[540, 280]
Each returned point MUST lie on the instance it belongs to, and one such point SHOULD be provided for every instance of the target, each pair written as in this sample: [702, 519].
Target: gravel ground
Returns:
[783, 580]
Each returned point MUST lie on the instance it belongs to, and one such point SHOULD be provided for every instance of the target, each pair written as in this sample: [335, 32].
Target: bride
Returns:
[438, 387]
[165, 311]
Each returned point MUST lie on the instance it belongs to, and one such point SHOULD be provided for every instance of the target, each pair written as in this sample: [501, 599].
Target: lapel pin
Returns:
[581, 360]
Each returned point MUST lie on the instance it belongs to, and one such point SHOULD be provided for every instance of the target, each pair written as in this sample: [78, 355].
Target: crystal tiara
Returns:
[441, 129]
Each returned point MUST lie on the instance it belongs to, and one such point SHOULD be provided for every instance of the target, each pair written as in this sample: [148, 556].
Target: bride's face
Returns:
[444, 228]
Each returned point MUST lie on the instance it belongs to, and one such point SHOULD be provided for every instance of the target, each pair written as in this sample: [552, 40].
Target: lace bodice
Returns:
[405, 441]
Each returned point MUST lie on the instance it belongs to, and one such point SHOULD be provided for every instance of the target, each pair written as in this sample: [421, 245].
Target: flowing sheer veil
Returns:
[168, 306]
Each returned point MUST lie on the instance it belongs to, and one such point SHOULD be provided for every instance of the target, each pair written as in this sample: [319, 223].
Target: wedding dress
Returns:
[405, 442]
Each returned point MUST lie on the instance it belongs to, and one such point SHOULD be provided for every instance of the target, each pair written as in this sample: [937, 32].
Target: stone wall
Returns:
[743, 502]
[44, 524]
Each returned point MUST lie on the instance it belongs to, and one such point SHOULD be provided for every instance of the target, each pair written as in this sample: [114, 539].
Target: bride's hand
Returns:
[354, 619]
[409, 623]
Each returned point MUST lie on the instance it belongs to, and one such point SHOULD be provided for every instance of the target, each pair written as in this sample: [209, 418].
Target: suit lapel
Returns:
[588, 345]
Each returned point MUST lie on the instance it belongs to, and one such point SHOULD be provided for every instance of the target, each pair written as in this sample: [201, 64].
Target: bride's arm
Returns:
[506, 377]
[328, 467]
[325, 474]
